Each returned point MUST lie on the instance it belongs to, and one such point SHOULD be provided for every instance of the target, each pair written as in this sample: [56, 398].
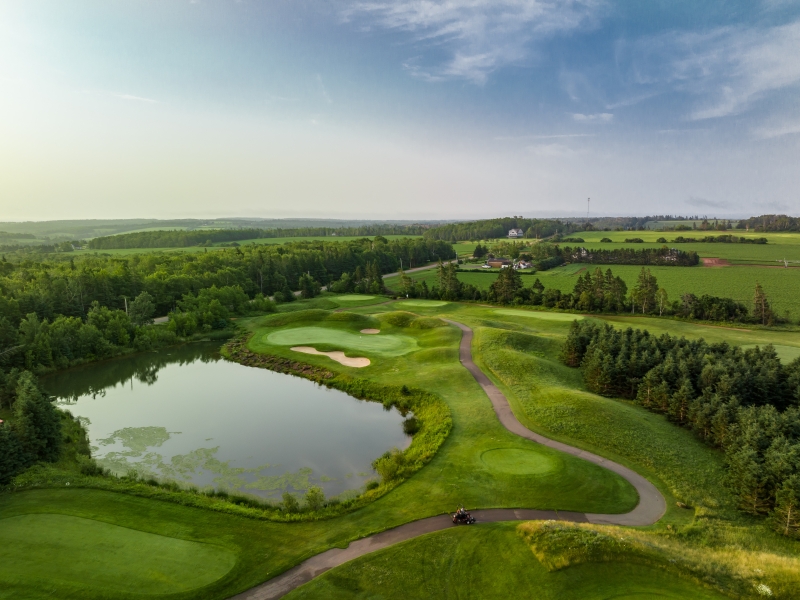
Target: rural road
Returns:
[650, 509]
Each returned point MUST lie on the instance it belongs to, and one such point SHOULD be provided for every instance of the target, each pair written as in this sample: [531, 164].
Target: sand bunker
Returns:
[358, 361]
[371, 331]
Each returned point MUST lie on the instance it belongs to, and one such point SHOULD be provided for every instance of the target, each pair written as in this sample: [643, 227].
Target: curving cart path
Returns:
[650, 509]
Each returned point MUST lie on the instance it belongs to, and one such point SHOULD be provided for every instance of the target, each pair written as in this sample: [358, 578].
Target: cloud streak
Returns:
[727, 69]
[476, 37]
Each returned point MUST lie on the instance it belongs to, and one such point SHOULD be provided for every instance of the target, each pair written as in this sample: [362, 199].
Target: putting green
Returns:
[518, 461]
[92, 554]
[384, 344]
[423, 303]
[353, 298]
[546, 316]
[786, 353]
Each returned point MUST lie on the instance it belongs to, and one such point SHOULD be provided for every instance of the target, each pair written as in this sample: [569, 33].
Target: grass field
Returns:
[323, 338]
[780, 284]
[151, 563]
[479, 465]
[488, 562]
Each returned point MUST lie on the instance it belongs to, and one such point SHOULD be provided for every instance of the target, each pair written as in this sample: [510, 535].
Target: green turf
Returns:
[488, 562]
[516, 461]
[533, 314]
[353, 298]
[73, 550]
[381, 344]
[421, 304]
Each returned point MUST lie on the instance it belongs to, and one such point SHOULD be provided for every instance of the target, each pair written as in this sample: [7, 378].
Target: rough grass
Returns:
[489, 561]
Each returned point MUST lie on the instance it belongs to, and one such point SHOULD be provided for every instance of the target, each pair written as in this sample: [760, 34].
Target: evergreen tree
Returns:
[785, 516]
[13, 458]
[762, 312]
[506, 286]
[36, 421]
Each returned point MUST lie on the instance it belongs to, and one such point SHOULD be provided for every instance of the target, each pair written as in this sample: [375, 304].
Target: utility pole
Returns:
[587, 209]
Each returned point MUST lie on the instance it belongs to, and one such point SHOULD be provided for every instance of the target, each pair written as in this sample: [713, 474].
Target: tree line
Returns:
[665, 257]
[745, 402]
[594, 291]
[198, 237]
[499, 228]
[770, 223]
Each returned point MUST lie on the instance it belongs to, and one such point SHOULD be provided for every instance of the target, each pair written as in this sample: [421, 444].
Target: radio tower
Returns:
[587, 209]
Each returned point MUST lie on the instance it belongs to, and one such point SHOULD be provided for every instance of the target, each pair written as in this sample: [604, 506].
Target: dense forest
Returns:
[183, 239]
[745, 402]
[770, 223]
[60, 311]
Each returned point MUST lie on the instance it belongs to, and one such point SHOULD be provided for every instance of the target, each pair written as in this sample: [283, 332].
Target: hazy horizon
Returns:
[403, 110]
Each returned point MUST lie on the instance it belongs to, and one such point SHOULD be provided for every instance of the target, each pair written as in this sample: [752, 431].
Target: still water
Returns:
[186, 414]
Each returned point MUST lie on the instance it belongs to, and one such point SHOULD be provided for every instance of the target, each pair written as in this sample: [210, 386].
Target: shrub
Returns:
[315, 498]
[290, 503]
[606, 240]
[411, 426]
[371, 485]
[390, 465]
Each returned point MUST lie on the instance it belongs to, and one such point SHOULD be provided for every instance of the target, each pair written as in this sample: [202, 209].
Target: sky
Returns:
[401, 109]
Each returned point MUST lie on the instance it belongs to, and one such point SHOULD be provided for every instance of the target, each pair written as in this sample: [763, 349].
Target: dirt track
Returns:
[650, 509]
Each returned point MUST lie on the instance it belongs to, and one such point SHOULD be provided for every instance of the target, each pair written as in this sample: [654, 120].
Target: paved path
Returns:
[650, 509]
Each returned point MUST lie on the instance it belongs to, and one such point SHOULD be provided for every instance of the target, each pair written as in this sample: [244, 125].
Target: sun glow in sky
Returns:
[401, 109]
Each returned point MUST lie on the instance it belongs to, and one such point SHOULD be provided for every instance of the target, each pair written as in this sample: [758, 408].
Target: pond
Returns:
[187, 414]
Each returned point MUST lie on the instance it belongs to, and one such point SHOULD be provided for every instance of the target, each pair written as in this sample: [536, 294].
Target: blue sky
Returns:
[402, 109]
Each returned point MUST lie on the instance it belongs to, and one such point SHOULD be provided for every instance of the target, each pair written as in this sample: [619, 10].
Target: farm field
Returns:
[480, 464]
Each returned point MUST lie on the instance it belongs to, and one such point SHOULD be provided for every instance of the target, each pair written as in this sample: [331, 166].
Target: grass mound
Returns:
[129, 560]
[491, 562]
[298, 316]
[398, 318]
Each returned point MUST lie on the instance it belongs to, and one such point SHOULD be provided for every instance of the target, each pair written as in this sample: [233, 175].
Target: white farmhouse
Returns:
[516, 233]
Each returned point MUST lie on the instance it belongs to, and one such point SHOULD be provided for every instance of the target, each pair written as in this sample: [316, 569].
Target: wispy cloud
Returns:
[127, 97]
[506, 138]
[323, 90]
[697, 202]
[477, 36]
[728, 69]
[135, 98]
[596, 118]
[775, 131]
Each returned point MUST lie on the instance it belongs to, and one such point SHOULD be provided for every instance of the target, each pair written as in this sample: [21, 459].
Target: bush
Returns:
[371, 485]
[606, 240]
[411, 426]
[315, 498]
[290, 503]
[390, 465]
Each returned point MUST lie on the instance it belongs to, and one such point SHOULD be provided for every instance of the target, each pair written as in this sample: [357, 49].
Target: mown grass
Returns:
[149, 562]
[457, 474]
[490, 561]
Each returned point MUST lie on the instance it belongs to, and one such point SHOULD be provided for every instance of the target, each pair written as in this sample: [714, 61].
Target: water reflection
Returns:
[186, 414]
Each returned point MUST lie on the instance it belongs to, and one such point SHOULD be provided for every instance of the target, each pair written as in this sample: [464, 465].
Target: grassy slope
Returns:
[711, 538]
[487, 562]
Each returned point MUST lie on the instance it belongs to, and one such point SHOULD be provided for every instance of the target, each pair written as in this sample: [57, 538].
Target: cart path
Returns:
[650, 509]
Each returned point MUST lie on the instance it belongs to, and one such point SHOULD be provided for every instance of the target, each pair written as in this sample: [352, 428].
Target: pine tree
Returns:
[36, 421]
[12, 454]
[785, 517]
[761, 309]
